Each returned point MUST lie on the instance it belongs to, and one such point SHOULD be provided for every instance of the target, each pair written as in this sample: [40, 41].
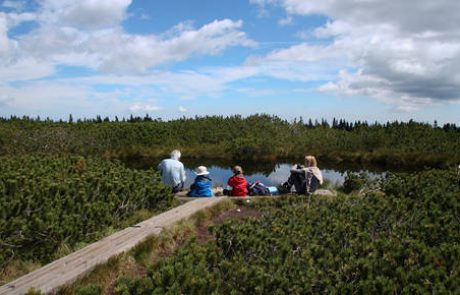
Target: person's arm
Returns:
[230, 181]
[182, 173]
[160, 168]
[296, 170]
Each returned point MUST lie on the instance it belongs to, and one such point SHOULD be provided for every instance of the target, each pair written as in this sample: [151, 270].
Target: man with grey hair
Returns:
[172, 172]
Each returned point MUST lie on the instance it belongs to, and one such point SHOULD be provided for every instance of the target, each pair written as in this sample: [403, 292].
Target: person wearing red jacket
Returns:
[239, 184]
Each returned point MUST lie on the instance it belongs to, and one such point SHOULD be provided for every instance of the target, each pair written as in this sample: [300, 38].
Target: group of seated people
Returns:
[303, 179]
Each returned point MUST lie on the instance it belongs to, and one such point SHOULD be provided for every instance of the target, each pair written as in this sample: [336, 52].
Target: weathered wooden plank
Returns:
[69, 268]
[320, 192]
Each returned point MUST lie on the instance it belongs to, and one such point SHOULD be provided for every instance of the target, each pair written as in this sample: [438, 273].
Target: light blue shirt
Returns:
[172, 172]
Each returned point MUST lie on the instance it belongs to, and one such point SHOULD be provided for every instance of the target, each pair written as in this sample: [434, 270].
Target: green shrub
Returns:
[354, 181]
[406, 242]
[93, 289]
[50, 204]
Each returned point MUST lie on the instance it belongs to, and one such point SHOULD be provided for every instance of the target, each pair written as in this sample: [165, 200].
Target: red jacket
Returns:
[239, 185]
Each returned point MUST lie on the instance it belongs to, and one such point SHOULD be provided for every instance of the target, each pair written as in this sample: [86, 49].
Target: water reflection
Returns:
[279, 174]
[269, 173]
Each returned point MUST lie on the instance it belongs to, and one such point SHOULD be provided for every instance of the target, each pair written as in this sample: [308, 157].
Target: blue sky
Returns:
[354, 59]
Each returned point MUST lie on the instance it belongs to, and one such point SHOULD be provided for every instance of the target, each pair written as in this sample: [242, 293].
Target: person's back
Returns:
[172, 172]
[201, 187]
[238, 183]
[305, 179]
[313, 179]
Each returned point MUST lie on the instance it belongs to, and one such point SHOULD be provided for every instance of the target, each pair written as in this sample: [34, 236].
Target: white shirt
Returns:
[172, 172]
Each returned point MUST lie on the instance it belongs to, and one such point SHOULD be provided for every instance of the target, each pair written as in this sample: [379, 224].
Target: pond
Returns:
[269, 173]
[278, 175]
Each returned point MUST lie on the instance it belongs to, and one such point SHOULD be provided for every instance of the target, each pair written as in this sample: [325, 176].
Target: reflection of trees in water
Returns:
[264, 168]
[269, 172]
[249, 168]
[372, 168]
[261, 167]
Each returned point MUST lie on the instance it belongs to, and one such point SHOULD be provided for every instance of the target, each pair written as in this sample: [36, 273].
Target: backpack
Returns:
[312, 183]
[258, 189]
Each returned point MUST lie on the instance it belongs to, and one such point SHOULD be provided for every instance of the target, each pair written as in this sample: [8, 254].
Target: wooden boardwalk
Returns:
[69, 268]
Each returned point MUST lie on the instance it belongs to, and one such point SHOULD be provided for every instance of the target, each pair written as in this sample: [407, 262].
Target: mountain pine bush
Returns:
[47, 203]
[405, 241]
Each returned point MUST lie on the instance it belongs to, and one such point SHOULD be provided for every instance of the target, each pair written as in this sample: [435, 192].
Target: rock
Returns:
[324, 192]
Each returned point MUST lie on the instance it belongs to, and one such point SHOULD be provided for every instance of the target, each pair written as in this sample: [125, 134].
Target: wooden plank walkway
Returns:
[320, 192]
[69, 268]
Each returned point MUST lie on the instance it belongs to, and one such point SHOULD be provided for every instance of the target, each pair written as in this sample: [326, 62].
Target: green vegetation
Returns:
[135, 262]
[255, 137]
[403, 239]
[399, 235]
[56, 204]
[355, 181]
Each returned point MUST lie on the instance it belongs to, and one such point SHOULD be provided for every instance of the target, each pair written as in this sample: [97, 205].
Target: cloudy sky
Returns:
[374, 60]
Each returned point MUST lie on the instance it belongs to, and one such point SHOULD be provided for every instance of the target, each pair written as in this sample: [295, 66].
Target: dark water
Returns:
[269, 173]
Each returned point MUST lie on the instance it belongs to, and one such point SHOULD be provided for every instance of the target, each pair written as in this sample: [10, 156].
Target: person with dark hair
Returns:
[172, 172]
[238, 184]
[305, 179]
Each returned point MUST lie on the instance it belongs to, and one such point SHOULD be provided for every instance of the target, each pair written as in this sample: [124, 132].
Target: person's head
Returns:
[201, 170]
[175, 154]
[237, 170]
[310, 161]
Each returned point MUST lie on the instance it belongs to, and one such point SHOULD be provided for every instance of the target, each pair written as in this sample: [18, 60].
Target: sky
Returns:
[368, 60]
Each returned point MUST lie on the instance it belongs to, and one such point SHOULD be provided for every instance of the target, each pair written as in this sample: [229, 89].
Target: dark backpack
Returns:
[312, 183]
[258, 189]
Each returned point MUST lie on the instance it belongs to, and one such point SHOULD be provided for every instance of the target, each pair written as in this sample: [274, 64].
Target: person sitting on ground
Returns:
[304, 179]
[201, 187]
[172, 172]
[238, 184]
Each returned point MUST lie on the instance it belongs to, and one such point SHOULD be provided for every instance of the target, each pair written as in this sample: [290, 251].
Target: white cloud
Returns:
[140, 107]
[84, 14]
[182, 109]
[255, 92]
[5, 99]
[89, 33]
[49, 98]
[4, 40]
[408, 59]
[189, 84]
[38, 96]
[16, 5]
[84, 97]
[115, 51]
[301, 62]
[15, 19]
[285, 21]
[142, 52]
[300, 53]
[25, 69]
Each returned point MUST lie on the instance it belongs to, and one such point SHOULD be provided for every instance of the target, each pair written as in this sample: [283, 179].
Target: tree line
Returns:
[256, 137]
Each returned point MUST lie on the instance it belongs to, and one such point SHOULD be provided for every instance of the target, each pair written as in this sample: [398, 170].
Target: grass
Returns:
[16, 269]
